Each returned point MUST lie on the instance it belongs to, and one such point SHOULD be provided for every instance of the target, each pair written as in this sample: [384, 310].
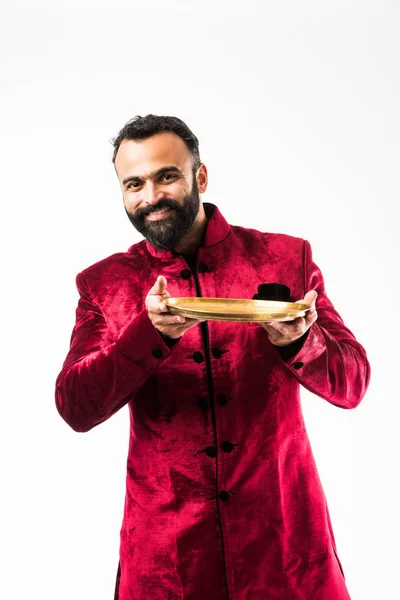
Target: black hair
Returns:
[141, 128]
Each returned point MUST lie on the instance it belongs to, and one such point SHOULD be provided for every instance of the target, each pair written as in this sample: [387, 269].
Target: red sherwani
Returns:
[223, 499]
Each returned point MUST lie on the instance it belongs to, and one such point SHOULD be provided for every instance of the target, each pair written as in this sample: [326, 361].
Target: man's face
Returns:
[160, 192]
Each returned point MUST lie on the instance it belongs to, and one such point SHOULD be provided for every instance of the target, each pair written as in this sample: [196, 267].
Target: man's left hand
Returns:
[286, 332]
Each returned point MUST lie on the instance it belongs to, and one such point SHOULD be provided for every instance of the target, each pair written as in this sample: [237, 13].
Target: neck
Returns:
[193, 238]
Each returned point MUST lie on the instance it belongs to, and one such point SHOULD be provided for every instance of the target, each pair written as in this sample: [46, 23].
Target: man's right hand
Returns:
[172, 326]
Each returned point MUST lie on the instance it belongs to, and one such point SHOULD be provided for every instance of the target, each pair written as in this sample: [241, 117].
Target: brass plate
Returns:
[234, 309]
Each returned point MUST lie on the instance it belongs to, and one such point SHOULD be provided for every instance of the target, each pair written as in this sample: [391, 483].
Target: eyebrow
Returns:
[152, 175]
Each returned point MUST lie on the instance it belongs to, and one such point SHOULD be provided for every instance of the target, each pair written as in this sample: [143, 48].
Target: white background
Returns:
[296, 106]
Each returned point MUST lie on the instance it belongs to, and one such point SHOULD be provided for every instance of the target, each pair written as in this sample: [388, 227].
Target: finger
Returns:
[275, 327]
[287, 330]
[176, 320]
[310, 298]
[191, 320]
[168, 320]
[172, 328]
[187, 321]
[312, 312]
[295, 328]
[154, 299]
[286, 326]
[159, 287]
[311, 317]
[155, 305]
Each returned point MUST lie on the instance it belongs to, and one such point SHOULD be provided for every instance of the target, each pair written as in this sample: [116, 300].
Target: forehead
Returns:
[139, 157]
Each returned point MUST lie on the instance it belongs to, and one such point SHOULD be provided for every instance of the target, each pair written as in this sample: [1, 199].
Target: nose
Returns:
[152, 194]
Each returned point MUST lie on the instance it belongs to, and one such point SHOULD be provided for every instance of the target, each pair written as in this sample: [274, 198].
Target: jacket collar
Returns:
[215, 231]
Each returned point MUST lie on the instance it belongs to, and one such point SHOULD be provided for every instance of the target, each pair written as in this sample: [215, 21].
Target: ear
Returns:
[202, 178]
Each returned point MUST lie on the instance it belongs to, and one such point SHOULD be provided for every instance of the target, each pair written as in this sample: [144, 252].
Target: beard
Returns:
[166, 233]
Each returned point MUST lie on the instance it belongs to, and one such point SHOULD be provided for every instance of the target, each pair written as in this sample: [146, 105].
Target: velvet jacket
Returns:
[223, 498]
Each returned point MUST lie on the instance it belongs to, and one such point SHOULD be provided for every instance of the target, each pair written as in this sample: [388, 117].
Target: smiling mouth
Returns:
[159, 214]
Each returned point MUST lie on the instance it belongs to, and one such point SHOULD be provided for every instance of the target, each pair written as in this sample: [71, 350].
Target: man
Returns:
[223, 498]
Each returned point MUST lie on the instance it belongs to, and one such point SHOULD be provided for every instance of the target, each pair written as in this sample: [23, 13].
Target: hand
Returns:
[170, 325]
[286, 332]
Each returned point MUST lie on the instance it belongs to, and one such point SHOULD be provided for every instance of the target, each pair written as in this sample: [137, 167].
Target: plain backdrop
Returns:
[296, 106]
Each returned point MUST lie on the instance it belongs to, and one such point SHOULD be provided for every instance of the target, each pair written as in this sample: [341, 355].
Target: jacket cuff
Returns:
[287, 352]
[171, 342]
[312, 347]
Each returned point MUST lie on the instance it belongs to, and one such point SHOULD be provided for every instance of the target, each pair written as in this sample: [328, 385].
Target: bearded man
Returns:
[223, 498]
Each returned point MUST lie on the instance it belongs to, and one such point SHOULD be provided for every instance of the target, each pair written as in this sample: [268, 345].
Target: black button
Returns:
[227, 446]
[203, 404]
[274, 291]
[298, 365]
[211, 451]
[223, 495]
[186, 274]
[157, 353]
[216, 352]
[222, 399]
[198, 357]
[203, 268]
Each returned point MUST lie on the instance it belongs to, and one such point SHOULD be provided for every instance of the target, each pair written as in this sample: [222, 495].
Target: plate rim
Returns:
[291, 310]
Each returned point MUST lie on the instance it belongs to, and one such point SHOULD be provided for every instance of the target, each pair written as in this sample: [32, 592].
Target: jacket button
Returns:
[223, 495]
[298, 365]
[198, 357]
[222, 399]
[203, 268]
[186, 274]
[211, 451]
[157, 353]
[203, 404]
[216, 352]
[227, 446]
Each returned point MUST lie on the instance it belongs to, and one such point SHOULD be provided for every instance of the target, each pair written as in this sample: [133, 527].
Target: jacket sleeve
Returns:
[101, 374]
[330, 362]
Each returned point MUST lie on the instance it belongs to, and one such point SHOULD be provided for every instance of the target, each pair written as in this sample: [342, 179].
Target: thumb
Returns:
[310, 298]
[159, 286]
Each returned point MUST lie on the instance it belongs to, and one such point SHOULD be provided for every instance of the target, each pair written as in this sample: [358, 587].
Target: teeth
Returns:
[158, 212]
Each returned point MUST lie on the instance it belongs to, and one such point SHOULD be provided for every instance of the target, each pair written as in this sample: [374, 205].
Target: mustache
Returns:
[143, 212]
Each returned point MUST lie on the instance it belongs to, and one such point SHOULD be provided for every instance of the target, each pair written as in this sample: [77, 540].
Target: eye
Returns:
[131, 185]
[168, 175]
